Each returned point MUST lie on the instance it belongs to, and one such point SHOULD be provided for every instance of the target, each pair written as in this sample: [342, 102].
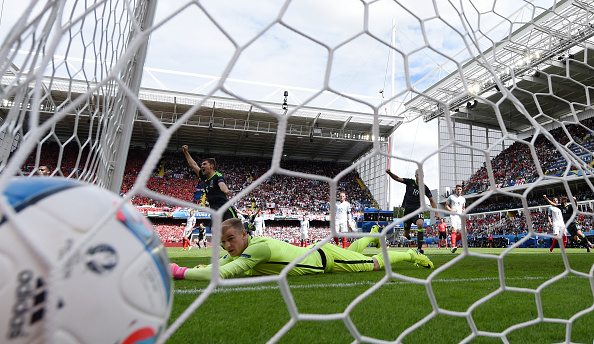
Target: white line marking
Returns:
[343, 285]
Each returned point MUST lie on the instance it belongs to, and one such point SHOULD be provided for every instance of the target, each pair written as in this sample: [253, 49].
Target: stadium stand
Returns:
[291, 195]
[283, 194]
[515, 165]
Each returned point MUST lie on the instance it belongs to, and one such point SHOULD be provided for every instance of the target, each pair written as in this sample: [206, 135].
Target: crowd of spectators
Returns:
[283, 194]
[503, 203]
[171, 230]
[277, 193]
[517, 165]
[173, 177]
[512, 223]
[289, 231]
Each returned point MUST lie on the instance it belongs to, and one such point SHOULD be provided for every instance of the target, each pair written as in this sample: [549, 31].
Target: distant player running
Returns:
[567, 210]
[456, 203]
[557, 224]
[188, 231]
[201, 235]
[254, 256]
[412, 204]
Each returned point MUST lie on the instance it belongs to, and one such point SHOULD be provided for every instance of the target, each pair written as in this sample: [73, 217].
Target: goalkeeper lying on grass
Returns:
[253, 256]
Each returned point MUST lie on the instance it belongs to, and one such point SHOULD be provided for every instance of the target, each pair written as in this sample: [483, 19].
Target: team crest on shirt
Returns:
[246, 255]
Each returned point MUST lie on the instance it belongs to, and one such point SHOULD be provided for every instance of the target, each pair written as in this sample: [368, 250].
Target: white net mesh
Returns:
[68, 69]
[507, 70]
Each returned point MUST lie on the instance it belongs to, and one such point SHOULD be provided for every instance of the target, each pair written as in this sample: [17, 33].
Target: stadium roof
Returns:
[548, 60]
[229, 126]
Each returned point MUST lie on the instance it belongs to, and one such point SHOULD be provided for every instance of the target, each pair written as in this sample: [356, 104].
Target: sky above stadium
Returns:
[342, 47]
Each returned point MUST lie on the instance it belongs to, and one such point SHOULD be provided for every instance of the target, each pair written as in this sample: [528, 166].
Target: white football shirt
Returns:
[457, 203]
[343, 209]
[556, 216]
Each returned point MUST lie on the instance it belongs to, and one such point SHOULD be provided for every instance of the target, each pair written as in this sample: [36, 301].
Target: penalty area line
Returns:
[345, 285]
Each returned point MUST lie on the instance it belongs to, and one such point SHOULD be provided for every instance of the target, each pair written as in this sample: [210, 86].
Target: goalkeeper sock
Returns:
[394, 257]
[360, 244]
[178, 272]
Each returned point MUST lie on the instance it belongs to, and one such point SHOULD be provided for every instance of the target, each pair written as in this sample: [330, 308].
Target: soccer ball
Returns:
[76, 269]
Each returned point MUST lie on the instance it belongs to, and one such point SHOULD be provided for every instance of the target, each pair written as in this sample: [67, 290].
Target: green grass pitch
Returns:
[254, 313]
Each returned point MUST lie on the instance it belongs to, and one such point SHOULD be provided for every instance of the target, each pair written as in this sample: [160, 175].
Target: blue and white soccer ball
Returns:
[111, 283]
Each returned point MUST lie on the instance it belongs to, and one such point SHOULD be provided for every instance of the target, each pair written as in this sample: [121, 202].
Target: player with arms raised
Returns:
[213, 183]
[412, 203]
[456, 203]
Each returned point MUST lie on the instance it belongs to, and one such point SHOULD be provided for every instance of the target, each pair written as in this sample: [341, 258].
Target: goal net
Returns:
[505, 84]
[70, 79]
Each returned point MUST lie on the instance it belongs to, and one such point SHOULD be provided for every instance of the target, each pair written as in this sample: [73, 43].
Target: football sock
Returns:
[420, 240]
[565, 241]
[453, 239]
[360, 244]
[344, 242]
[336, 240]
[553, 244]
[178, 272]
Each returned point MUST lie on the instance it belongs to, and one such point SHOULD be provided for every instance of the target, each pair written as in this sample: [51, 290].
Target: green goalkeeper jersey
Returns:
[266, 256]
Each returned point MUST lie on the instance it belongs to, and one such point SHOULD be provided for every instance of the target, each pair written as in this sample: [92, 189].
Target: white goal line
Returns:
[354, 284]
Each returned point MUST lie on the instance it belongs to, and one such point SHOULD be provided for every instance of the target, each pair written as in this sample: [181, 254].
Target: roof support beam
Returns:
[244, 132]
[346, 150]
[574, 66]
[553, 85]
[551, 32]
[295, 147]
[323, 147]
[346, 122]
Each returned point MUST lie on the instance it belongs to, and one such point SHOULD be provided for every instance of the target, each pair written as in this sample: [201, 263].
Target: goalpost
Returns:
[70, 74]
